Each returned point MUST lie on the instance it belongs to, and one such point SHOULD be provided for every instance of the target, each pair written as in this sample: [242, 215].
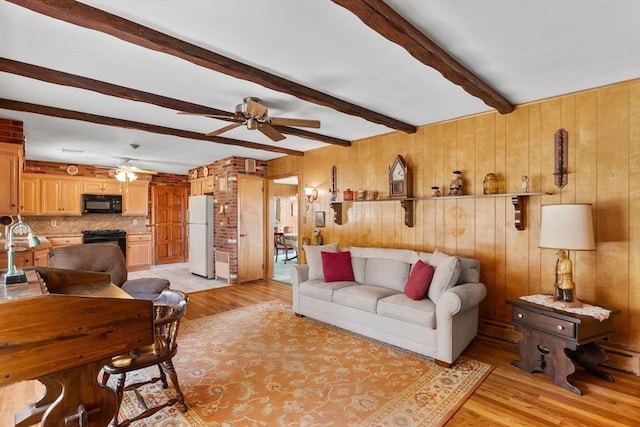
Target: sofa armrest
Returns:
[457, 319]
[460, 298]
[299, 273]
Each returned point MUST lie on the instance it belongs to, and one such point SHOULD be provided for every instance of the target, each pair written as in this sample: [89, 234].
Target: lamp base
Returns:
[15, 279]
[576, 303]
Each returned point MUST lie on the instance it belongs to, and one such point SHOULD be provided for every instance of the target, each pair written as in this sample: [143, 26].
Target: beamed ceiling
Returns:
[91, 78]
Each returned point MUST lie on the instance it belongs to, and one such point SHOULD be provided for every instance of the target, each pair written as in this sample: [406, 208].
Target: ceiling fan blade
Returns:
[134, 169]
[295, 122]
[224, 129]
[256, 109]
[271, 132]
[213, 116]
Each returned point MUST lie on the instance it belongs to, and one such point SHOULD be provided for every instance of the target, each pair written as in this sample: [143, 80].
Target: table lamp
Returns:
[14, 275]
[566, 227]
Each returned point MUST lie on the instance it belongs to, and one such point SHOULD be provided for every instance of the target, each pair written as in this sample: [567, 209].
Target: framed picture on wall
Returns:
[320, 219]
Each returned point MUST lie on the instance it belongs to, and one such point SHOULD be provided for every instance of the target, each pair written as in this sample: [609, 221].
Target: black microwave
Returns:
[100, 203]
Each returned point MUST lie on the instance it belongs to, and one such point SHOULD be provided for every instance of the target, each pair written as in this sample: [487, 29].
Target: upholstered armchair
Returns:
[106, 258]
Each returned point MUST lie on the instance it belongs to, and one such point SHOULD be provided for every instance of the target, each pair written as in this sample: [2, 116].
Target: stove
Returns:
[118, 237]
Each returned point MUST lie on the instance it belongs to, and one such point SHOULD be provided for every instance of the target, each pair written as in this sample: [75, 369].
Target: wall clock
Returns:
[399, 179]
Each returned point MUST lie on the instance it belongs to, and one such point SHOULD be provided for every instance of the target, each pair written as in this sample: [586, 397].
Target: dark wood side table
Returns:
[556, 339]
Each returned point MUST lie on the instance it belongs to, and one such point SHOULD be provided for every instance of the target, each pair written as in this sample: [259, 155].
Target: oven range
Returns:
[118, 237]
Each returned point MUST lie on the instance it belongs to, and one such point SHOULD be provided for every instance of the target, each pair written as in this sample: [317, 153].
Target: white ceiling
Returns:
[525, 49]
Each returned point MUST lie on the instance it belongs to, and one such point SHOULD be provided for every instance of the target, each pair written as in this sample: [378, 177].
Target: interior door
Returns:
[251, 213]
[168, 220]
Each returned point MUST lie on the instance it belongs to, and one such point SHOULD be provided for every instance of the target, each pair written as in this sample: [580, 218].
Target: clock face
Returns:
[398, 172]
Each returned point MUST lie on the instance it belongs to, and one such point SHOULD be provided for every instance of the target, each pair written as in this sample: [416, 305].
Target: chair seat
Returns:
[140, 358]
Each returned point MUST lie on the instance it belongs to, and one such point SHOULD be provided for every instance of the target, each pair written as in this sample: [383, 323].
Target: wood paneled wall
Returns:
[603, 125]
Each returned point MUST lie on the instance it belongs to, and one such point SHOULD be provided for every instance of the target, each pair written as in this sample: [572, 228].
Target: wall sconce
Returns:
[14, 275]
[311, 195]
[222, 210]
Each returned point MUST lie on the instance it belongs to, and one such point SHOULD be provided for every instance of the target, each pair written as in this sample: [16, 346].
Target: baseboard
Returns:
[620, 358]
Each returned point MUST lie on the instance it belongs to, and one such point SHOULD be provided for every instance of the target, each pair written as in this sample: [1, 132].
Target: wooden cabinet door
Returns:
[136, 199]
[112, 187]
[139, 255]
[50, 195]
[207, 185]
[10, 160]
[41, 258]
[71, 192]
[30, 201]
[196, 187]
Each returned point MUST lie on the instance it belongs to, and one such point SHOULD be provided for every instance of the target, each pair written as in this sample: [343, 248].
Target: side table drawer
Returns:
[546, 323]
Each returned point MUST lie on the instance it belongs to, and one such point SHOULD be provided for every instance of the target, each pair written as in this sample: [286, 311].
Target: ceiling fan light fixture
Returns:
[123, 176]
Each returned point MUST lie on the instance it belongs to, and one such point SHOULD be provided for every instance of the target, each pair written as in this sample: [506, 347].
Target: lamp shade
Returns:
[567, 226]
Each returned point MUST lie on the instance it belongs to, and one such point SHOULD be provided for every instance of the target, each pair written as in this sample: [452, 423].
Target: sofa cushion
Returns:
[390, 273]
[358, 265]
[336, 266]
[363, 297]
[470, 270]
[320, 289]
[401, 307]
[445, 276]
[419, 281]
[314, 259]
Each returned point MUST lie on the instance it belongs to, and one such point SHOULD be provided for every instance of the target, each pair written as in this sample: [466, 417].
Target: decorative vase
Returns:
[435, 192]
[361, 194]
[456, 184]
[490, 184]
[347, 194]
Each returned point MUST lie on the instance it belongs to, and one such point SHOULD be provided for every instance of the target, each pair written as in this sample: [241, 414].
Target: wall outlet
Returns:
[54, 223]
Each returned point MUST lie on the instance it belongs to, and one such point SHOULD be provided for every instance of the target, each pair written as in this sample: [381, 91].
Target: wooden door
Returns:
[168, 219]
[251, 214]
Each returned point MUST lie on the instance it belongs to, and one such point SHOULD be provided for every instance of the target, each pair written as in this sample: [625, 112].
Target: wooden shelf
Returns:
[408, 204]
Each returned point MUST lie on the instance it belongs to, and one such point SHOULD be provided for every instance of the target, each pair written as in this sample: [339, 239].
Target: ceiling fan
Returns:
[125, 171]
[254, 114]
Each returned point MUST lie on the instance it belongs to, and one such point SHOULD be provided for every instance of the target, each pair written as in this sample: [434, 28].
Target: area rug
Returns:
[263, 366]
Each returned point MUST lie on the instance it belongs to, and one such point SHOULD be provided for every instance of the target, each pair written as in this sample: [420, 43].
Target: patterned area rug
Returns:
[262, 366]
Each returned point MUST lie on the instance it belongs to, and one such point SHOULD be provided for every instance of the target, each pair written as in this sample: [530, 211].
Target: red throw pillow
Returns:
[418, 283]
[336, 266]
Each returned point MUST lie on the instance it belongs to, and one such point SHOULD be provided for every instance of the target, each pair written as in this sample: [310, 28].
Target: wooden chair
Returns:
[169, 308]
[281, 244]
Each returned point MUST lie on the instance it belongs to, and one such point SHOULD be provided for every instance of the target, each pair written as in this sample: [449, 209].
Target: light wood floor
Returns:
[508, 397]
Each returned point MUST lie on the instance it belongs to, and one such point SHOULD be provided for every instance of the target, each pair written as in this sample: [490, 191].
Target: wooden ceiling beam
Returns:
[65, 79]
[89, 17]
[9, 104]
[388, 23]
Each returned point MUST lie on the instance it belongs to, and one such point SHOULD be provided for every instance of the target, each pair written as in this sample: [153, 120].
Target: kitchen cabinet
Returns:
[10, 163]
[29, 258]
[61, 196]
[41, 258]
[136, 199]
[30, 200]
[196, 187]
[60, 241]
[139, 252]
[202, 186]
[100, 186]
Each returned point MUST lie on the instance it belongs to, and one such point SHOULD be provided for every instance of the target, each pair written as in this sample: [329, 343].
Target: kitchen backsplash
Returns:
[69, 225]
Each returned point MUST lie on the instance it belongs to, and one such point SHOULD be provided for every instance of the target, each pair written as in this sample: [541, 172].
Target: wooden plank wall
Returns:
[603, 125]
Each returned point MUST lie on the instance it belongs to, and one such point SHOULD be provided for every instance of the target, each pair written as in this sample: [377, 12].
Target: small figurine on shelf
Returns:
[454, 190]
[456, 181]
[435, 191]
[525, 184]
[317, 237]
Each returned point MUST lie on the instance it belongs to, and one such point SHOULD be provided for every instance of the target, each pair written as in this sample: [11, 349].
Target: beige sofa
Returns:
[374, 304]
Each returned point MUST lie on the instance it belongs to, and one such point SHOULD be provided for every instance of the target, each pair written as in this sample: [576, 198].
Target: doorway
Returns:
[169, 207]
[283, 222]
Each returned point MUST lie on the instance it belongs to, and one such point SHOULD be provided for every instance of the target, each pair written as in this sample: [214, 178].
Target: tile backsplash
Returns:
[69, 225]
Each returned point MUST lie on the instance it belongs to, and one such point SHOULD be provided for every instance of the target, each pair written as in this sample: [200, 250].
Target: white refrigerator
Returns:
[200, 235]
